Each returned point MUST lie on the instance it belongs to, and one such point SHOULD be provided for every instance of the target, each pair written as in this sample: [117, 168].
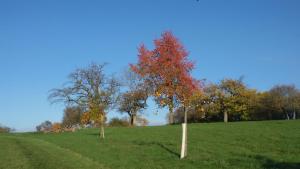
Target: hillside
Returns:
[267, 144]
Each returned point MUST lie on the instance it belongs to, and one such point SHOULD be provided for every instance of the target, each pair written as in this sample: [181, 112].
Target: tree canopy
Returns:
[167, 70]
[90, 89]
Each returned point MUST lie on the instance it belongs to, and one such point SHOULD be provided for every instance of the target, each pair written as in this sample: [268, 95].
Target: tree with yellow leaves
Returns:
[90, 89]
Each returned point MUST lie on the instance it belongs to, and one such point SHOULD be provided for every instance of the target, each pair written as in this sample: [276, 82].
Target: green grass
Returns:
[252, 145]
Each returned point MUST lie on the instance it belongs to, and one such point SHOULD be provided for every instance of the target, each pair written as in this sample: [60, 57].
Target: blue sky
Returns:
[41, 42]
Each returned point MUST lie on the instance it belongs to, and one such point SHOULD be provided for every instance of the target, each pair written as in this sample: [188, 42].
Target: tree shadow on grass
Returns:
[93, 134]
[143, 143]
[268, 163]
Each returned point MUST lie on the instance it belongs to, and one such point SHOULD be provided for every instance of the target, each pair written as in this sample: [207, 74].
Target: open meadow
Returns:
[251, 145]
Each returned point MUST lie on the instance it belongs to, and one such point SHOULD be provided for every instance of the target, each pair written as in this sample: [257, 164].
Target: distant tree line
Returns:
[232, 100]
[5, 129]
[75, 118]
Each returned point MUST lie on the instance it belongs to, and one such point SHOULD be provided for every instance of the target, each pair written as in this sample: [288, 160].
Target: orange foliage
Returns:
[98, 118]
[56, 127]
[85, 118]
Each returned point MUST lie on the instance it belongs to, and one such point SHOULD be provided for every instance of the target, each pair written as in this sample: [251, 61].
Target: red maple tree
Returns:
[167, 70]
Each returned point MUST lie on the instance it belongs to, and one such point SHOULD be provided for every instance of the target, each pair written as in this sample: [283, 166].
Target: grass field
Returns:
[252, 145]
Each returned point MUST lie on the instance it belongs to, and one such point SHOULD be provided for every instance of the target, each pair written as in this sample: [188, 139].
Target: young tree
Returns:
[167, 70]
[91, 89]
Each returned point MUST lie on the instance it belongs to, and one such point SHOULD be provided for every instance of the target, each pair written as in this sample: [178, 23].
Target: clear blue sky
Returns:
[41, 42]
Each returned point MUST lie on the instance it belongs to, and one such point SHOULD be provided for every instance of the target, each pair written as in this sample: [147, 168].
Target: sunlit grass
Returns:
[269, 144]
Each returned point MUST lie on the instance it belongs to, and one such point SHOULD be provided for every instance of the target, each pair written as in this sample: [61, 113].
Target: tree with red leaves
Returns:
[166, 69]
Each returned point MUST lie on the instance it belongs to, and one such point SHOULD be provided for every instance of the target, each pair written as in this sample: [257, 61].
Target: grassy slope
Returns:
[272, 144]
[20, 152]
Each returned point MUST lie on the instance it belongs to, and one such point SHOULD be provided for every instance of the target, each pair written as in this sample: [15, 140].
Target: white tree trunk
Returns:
[294, 115]
[184, 141]
[102, 131]
[184, 136]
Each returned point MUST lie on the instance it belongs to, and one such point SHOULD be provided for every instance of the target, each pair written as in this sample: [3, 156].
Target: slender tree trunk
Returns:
[225, 116]
[184, 136]
[132, 119]
[294, 115]
[171, 115]
[287, 116]
[101, 131]
[185, 121]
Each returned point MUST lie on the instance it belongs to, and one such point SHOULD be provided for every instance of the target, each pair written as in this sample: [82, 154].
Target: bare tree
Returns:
[90, 89]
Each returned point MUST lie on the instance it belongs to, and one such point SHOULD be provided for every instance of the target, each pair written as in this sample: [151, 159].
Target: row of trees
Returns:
[232, 100]
[74, 118]
[164, 74]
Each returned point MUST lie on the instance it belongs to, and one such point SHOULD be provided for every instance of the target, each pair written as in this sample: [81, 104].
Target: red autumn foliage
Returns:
[167, 69]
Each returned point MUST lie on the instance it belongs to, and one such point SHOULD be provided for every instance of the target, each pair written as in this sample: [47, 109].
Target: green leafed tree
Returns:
[234, 99]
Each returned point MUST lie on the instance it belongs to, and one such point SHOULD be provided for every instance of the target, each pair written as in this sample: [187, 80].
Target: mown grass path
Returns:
[23, 152]
[240, 145]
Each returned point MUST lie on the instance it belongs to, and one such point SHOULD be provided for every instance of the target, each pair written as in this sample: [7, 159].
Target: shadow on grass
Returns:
[93, 134]
[268, 163]
[143, 143]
